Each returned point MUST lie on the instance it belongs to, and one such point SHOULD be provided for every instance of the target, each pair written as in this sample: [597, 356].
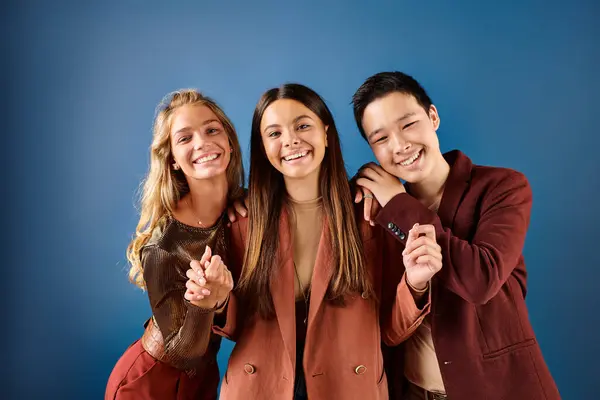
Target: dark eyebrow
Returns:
[402, 118]
[298, 118]
[270, 126]
[188, 128]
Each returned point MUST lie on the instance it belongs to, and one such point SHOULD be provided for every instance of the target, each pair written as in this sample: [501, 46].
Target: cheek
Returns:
[178, 154]
[382, 153]
[227, 158]
[272, 152]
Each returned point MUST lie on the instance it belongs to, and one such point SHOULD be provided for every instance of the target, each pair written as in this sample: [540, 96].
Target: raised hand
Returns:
[381, 183]
[209, 281]
[422, 256]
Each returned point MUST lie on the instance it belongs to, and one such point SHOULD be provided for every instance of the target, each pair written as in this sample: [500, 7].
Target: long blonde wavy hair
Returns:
[163, 186]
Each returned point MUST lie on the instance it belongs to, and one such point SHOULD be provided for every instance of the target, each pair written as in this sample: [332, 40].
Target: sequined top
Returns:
[165, 259]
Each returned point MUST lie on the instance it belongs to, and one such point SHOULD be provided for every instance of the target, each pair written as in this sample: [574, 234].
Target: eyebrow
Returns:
[298, 118]
[187, 128]
[402, 118]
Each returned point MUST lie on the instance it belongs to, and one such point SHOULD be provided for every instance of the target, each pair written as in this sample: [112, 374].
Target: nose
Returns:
[399, 144]
[198, 141]
[289, 137]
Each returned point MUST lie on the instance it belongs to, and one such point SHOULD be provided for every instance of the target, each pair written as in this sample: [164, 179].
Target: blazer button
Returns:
[391, 225]
[249, 369]
[361, 369]
[402, 236]
[364, 295]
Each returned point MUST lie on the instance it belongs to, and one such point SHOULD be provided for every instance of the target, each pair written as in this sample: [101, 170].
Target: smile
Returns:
[412, 159]
[206, 159]
[296, 156]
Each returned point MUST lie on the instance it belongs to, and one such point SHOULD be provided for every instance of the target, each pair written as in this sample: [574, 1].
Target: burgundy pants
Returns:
[138, 375]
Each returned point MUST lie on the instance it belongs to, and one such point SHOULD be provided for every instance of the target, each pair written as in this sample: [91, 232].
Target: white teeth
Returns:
[411, 160]
[295, 156]
[206, 159]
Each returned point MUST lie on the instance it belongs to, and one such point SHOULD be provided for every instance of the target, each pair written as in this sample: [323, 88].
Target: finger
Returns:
[231, 214]
[412, 235]
[366, 183]
[195, 272]
[413, 242]
[197, 289]
[221, 275]
[419, 251]
[212, 271]
[229, 280]
[421, 241]
[430, 262]
[426, 249]
[369, 173]
[359, 194]
[370, 164]
[367, 208]
[427, 230]
[191, 296]
[206, 256]
[375, 207]
[240, 208]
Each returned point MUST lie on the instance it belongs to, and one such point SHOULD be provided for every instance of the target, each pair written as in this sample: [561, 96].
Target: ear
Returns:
[434, 117]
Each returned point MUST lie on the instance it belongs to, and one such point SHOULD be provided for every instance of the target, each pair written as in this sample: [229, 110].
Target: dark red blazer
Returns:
[484, 341]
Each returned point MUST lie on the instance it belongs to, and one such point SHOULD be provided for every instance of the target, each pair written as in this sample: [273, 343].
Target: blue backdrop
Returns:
[515, 85]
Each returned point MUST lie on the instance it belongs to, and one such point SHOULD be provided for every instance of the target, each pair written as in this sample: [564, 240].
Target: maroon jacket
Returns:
[484, 341]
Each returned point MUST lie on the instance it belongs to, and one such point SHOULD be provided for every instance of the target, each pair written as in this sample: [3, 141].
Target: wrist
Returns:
[220, 306]
[417, 287]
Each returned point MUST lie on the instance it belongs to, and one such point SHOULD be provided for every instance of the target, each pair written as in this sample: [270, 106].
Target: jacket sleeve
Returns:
[474, 269]
[186, 329]
[400, 315]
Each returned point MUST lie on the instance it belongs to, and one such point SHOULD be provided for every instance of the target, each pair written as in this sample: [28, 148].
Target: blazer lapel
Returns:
[282, 289]
[456, 186]
[322, 273]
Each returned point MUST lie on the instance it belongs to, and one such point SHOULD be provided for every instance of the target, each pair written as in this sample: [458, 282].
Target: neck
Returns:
[303, 189]
[430, 189]
[208, 198]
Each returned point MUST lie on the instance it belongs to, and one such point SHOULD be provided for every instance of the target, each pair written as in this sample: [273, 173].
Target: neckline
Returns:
[199, 229]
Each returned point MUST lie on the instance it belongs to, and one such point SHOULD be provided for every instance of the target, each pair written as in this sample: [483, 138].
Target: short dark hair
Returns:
[382, 84]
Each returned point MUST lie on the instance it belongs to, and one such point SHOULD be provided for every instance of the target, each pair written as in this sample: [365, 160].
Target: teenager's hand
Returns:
[239, 207]
[209, 281]
[371, 205]
[382, 184]
[422, 256]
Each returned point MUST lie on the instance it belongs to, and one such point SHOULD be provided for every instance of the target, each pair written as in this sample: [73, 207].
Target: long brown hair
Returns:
[266, 199]
[164, 186]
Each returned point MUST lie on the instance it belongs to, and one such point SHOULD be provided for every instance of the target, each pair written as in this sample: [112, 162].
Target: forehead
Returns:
[192, 116]
[284, 111]
[389, 108]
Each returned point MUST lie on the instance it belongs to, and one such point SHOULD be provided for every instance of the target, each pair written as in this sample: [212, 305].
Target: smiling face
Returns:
[294, 139]
[403, 136]
[199, 142]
